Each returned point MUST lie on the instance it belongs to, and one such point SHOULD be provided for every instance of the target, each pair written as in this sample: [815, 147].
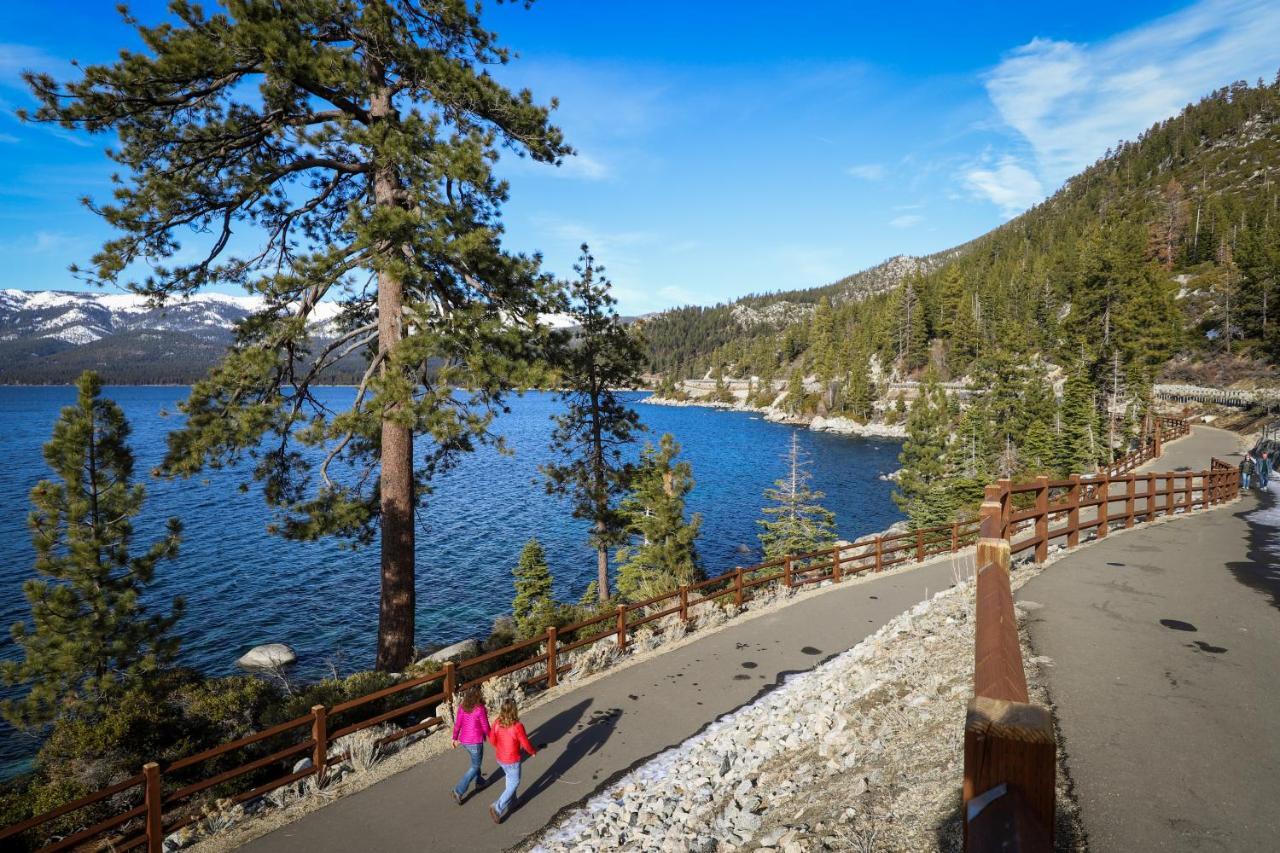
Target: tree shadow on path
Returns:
[588, 739]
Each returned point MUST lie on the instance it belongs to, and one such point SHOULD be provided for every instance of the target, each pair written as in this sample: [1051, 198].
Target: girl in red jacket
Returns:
[508, 738]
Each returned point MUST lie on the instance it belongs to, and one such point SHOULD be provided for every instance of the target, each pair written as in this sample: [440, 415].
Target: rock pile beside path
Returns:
[864, 752]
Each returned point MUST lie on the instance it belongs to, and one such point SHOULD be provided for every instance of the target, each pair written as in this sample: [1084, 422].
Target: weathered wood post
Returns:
[1151, 497]
[1186, 497]
[920, 545]
[1009, 750]
[1129, 492]
[1157, 446]
[1042, 519]
[622, 627]
[737, 588]
[152, 798]
[320, 737]
[1104, 508]
[450, 681]
[786, 573]
[837, 574]
[552, 640]
[879, 553]
[955, 536]
[1006, 510]
[1073, 512]
[684, 602]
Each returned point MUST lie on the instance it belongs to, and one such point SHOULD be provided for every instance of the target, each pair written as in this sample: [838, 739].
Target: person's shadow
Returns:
[592, 736]
[552, 730]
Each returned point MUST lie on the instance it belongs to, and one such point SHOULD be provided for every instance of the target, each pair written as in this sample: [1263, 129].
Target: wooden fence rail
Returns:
[1009, 749]
[159, 801]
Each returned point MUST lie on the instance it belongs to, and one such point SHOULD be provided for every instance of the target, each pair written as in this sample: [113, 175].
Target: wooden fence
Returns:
[161, 799]
[1009, 748]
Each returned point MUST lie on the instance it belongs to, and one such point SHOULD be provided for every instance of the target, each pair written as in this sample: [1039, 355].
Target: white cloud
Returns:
[582, 166]
[906, 220]
[1070, 101]
[1007, 184]
[866, 171]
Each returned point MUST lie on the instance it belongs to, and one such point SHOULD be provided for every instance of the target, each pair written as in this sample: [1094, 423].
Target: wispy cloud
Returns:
[584, 167]
[8, 138]
[906, 220]
[1068, 102]
[866, 171]
[1006, 184]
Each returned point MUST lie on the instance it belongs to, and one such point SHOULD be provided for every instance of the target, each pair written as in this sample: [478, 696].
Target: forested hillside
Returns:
[1168, 246]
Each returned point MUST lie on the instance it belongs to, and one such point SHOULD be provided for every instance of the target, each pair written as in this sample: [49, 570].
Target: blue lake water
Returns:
[244, 587]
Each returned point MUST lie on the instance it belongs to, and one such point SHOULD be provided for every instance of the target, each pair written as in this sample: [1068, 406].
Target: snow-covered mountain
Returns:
[52, 335]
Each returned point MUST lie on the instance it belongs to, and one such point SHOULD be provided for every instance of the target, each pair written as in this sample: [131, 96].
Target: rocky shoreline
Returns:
[818, 423]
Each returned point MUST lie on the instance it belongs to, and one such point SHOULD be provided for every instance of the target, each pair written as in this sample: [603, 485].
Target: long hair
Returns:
[509, 714]
[471, 697]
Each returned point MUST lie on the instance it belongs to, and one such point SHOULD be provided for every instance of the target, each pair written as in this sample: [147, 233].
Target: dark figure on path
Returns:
[1246, 470]
[508, 738]
[1264, 470]
[470, 728]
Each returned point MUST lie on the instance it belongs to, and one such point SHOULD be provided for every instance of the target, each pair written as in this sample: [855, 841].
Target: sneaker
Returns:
[457, 798]
[493, 813]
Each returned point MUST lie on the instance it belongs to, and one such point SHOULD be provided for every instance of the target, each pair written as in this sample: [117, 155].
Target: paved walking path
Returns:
[1165, 644]
[597, 732]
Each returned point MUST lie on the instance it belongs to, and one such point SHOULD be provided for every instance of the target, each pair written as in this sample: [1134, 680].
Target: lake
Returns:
[244, 587]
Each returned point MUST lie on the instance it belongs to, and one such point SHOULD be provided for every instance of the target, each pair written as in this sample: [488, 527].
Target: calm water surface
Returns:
[244, 587]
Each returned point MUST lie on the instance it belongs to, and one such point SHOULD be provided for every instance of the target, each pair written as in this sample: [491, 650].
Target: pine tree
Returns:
[796, 523]
[857, 390]
[666, 555]
[923, 455]
[349, 147]
[91, 638]
[596, 424]
[1036, 451]
[1080, 440]
[720, 393]
[534, 603]
[795, 400]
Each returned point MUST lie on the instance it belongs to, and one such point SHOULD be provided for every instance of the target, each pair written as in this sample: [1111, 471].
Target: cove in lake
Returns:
[244, 587]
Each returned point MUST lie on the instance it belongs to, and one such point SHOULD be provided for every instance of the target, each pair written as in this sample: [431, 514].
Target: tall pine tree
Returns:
[597, 424]
[534, 606]
[923, 456]
[349, 147]
[91, 638]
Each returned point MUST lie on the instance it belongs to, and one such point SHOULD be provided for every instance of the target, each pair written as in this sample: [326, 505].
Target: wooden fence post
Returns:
[955, 536]
[152, 799]
[1104, 508]
[836, 574]
[684, 602]
[319, 734]
[920, 545]
[1006, 509]
[450, 680]
[1186, 498]
[786, 573]
[1151, 497]
[1042, 519]
[1073, 512]
[552, 640]
[879, 553]
[737, 585]
[622, 627]
[1129, 492]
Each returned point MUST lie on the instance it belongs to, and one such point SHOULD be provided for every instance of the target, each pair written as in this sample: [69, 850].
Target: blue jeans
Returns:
[512, 772]
[476, 751]
[1264, 474]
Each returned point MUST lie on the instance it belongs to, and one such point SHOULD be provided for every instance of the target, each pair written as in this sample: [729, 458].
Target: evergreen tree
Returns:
[666, 555]
[534, 606]
[596, 424]
[858, 393]
[923, 456]
[349, 146]
[91, 638]
[1036, 451]
[796, 523]
[720, 393]
[1080, 440]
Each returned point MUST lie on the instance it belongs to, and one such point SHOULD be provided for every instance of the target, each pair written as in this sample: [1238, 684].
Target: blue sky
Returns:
[729, 148]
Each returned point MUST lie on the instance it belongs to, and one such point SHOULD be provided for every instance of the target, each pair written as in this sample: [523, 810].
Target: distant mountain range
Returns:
[51, 336]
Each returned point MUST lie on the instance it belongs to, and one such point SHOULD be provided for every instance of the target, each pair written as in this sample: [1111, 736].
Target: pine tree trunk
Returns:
[602, 567]
[395, 484]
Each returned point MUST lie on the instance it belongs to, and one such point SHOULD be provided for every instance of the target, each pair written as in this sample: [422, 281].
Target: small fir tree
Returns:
[1036, 452]
[91, 638]
[796, 522]
[533, 603]
[1079, 440]
[596, 424]
[923, 455]
[666, 554]
[795, 401]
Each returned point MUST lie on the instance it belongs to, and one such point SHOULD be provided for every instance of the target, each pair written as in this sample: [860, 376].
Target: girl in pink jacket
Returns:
[470, 728]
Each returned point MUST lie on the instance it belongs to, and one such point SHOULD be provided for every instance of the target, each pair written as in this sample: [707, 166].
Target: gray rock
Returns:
[267, 656]
[456, 652]
[302, 764]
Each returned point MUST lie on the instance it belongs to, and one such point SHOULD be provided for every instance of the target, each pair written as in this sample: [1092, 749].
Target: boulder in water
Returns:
[456, 652]
[267, 656]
